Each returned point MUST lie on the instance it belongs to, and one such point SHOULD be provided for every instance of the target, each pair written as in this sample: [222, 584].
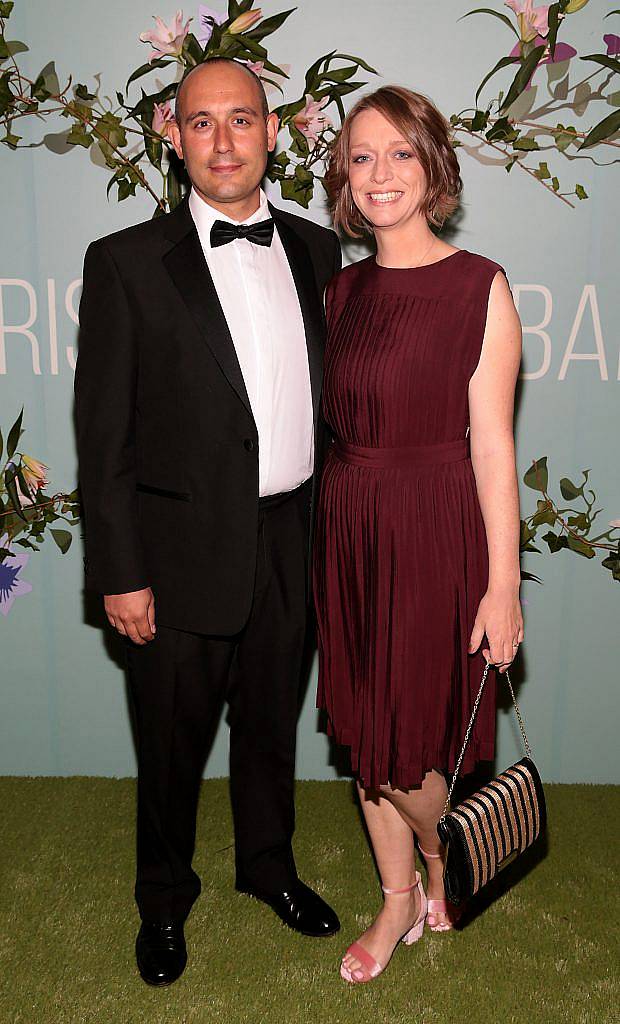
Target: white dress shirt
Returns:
[259, 299]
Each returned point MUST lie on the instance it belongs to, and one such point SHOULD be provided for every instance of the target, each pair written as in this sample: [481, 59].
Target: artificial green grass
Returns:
[541, 948]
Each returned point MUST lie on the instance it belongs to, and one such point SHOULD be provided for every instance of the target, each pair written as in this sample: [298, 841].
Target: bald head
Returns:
[210, 67]
[224, 133]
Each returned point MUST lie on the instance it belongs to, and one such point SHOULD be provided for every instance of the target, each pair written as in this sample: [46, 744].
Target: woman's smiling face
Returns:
[388, 182]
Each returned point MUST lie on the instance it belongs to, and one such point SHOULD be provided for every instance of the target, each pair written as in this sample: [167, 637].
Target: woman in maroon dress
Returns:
[417, 548]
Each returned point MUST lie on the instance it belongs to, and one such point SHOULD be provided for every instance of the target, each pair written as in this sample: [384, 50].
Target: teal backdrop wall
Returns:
[64, 708]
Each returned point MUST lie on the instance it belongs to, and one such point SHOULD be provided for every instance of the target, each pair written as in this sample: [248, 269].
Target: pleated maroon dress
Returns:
[400, 561]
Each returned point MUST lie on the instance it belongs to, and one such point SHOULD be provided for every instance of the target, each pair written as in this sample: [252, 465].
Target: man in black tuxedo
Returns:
[197, 405]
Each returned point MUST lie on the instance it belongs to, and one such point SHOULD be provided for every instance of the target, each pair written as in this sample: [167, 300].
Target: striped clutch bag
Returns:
[493, 826]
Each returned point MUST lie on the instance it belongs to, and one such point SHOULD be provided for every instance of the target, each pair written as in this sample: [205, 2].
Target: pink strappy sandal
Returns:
[444, 906]
[371, 968]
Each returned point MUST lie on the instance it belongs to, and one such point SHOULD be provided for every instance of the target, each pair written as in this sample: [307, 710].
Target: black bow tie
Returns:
[223, 232]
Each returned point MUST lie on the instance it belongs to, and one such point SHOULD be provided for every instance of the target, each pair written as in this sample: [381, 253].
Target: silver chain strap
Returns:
[528, 751]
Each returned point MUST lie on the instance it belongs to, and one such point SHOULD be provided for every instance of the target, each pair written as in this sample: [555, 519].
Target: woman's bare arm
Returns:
[491, 413]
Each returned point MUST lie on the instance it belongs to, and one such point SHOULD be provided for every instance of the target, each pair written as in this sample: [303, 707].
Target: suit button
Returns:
[249, 445]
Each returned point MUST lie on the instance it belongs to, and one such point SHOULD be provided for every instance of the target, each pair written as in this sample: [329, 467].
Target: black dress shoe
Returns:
[160, 952]
[300, 908]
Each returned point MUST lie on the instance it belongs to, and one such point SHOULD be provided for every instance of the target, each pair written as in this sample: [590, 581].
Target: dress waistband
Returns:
[388, 458]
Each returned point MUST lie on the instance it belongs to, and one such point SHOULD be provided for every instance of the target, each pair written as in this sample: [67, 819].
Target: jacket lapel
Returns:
[309, 300]
[186, 264]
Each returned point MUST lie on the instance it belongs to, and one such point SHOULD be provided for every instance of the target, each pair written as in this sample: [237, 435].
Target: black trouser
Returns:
[178, 682]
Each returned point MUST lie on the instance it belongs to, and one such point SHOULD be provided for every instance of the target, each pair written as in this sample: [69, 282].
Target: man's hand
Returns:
[133, 615]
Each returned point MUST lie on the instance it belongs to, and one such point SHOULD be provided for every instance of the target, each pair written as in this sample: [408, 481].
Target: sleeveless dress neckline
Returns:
[425, 266]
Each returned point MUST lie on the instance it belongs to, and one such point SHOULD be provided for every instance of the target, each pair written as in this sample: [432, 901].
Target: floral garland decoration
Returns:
[131, 139]
[513, 126]
[26, 513]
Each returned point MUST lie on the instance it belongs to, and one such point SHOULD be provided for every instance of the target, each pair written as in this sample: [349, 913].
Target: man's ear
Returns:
[273, 126]
[175, 138]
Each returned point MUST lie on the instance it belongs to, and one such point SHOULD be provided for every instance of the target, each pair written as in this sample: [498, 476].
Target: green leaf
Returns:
[479, 121]
[617, 11]
[174, 193]
[6, 96]
[578, 522]
[11, 140]
[502, 130]
[193, 49]
[79, 136]
[613, 562]
[46, 84]
[537, 476]
[527, 534]
[522, 77]
[603, 130]
[607, 62]
[569, 490]
[63, 539]
[5, 8]
[554, 542]
[14, 435]
[27, 544]
[11, 488]
[313, 71]
[580, 192]
[269, 25]
[543, 171]
[525, 142]
[294, 190]
[125, 189]
[553, 22]
[555, 184]
[339, 74]
[159, 62]
[503, 63]
[82, 93]
[358, 60]
[563, 137]
[580, 546]
[544, 514]
[496, 14]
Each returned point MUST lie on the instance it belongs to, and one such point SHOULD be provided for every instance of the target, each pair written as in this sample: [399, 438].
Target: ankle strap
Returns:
[408, 888]
[433, 856]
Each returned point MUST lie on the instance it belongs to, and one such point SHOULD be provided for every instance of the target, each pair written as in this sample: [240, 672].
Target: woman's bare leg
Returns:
[421, 809]
[392, 843]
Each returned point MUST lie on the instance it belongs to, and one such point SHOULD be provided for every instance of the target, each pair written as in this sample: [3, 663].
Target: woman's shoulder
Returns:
[348, 280]
[484, 266]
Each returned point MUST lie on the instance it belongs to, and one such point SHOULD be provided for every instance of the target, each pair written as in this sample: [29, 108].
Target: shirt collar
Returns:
[204, 215]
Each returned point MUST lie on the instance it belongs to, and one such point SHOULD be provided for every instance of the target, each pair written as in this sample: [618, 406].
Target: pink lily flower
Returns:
[257, 66]
[310, 121]
[167, 41]
[613, 45]
[34, 473]
[245, 21]
[207, 19]
[532, 20]
[162, 116]
[562, 52]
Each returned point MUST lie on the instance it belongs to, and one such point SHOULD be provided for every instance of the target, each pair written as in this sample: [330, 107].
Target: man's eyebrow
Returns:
[207, 113]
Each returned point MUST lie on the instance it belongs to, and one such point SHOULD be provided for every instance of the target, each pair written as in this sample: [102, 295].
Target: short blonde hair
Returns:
[429, 134]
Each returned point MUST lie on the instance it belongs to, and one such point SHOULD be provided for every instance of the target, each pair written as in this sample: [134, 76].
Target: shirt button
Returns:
[249, 445]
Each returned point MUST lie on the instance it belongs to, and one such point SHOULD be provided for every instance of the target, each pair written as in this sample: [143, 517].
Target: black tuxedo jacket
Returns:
[167, 444]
